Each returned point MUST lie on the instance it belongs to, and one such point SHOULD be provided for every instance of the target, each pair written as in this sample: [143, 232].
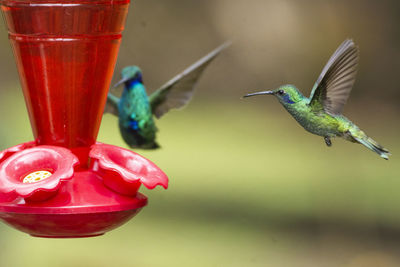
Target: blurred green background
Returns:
[248, 186]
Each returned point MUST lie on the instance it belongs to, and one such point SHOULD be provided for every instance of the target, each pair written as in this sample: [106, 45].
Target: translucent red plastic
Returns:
[124, 170]
[82, 207]
[65, 52]
[57, 160]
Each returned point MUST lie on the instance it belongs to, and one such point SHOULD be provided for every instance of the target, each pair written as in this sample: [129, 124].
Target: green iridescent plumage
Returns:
[321, 113]
[135, 109]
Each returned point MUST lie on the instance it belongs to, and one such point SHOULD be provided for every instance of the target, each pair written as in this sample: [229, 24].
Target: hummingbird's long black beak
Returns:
[260, 93]
[120, 82]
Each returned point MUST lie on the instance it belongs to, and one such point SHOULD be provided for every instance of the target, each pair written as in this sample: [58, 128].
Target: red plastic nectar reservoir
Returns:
[64, 184]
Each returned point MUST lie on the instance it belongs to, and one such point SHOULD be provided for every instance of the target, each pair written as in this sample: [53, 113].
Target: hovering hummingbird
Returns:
[321, 114]
[135, 108]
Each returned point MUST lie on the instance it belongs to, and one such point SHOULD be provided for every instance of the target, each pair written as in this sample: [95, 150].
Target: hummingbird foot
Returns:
[328, 141]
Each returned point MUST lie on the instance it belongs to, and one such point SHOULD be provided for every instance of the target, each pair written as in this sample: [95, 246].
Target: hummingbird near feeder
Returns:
[321, 113]
[136, 109]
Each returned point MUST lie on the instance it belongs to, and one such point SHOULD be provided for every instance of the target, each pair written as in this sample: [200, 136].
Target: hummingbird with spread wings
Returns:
[321, 113]
[136, 109]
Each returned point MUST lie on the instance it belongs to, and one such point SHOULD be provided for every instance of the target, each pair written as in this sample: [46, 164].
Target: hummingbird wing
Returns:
[334, 84]
[112, 104]
[177, 92]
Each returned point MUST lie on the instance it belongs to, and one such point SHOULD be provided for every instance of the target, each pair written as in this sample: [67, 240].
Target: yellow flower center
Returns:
[36, 176]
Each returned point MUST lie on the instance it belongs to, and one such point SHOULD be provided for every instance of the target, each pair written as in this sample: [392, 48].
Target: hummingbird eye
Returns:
[281, 92]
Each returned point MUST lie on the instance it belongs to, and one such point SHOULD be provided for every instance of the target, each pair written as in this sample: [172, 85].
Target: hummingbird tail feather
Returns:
[374, 146]
[112, 105]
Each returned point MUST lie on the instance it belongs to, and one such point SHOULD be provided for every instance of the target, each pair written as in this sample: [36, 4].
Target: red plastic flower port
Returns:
[124, 171]
[36, 173]
[12, 150]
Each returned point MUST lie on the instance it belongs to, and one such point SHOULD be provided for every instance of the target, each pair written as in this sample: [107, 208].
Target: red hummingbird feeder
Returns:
[65, 184]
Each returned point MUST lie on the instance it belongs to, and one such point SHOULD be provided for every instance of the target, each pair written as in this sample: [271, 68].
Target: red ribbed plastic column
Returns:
[66, 53]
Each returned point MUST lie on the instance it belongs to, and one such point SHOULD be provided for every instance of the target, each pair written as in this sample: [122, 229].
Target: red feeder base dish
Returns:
[80, 202]
[83, 208]
[67, 225]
